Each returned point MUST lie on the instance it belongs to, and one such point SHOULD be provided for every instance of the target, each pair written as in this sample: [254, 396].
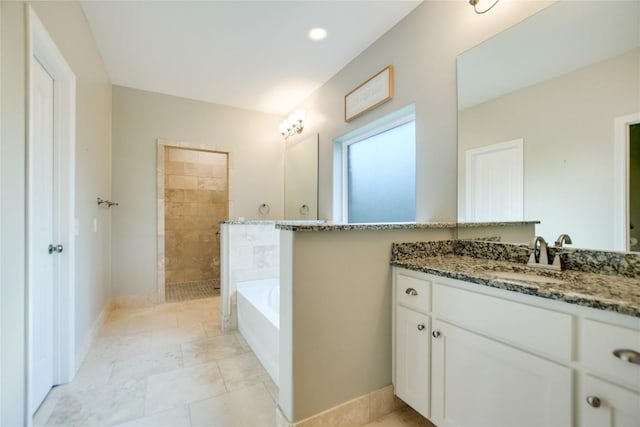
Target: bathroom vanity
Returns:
[485, 341]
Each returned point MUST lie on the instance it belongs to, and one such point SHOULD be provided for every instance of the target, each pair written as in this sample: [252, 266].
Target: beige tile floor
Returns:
[170, 365]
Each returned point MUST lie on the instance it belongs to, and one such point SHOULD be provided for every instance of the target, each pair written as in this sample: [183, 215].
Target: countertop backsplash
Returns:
[585, 260]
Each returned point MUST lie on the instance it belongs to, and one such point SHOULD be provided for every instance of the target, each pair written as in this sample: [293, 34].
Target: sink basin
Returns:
[523, 277]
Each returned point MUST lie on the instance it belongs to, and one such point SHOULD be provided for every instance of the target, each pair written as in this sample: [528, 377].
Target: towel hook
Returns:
[264, 209]
[109, 203]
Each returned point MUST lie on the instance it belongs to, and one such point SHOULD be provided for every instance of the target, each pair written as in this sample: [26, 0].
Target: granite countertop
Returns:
[605, 292]
[367, 226]
[393, 225]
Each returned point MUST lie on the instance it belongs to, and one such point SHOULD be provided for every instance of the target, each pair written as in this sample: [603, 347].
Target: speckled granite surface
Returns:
[602, 280]
[368, 226]
[493, 224]
[392, 225]
[258, 221]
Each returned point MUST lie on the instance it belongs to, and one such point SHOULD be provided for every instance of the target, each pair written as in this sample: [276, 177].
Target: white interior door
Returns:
[41, 234]
[495, 182]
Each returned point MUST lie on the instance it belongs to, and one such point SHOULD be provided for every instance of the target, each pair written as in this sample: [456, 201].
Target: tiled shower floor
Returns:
[176, 292]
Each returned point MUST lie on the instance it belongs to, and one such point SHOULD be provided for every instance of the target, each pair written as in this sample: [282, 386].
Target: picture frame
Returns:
[369, 95]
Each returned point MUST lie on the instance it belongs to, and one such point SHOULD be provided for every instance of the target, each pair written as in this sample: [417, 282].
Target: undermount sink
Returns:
[523, 277]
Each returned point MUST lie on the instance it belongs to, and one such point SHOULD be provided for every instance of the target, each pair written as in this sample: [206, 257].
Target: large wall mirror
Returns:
[548, 125]
[301, 179]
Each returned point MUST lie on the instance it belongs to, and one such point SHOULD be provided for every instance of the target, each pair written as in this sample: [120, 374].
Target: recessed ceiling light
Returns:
[317, 34]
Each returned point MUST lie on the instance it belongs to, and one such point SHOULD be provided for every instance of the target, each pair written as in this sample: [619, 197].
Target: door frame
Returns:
[42, 49]
[160, 146]
[621, 232]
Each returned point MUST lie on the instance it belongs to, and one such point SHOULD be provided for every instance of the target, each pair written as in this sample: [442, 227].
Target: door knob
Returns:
[435, 334]
[593, 401]
[420, 327]
[55, 248]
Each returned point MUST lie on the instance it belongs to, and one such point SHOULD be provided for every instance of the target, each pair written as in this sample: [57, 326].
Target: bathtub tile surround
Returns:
[250, 250]
[613, 285]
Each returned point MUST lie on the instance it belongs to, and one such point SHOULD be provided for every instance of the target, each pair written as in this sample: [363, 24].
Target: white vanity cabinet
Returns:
[412, 328]
[501, 358]
[609, 385]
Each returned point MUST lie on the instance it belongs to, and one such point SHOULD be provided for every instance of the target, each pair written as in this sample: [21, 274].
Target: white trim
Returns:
[83, 349]
[621, 180]
[43, 49]
[340, 155]
[1, 286]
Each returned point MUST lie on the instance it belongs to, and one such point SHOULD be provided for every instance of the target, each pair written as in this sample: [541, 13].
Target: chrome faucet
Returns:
[540, 255]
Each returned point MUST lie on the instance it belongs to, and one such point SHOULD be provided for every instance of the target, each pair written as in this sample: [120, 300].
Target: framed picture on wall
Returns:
[369, 95]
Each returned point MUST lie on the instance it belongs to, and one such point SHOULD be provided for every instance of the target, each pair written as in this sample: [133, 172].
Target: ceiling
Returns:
[548, 44]
[248, 54]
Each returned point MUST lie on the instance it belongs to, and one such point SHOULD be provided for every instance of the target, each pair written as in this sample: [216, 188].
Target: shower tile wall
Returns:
[196, 200]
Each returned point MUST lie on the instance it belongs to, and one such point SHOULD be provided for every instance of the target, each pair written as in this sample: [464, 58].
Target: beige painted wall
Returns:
[256, 171]
[567, 126]
[423, 49]
[66, 24]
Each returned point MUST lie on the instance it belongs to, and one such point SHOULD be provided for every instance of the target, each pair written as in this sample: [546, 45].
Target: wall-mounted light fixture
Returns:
[474, 3]
[293, 124]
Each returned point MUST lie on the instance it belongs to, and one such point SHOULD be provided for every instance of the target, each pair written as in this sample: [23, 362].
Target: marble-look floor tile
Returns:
[242, 341]
[94, 372]
[212, 329]
[197, 315]
[45, 410]
[242, 371]
[120, 347]
[176, 417]
[110, 404]
[405, 417]
[162, 338]
[247, 407]
[210, 349]
[183, 386]
[273, 389]
[147, 364]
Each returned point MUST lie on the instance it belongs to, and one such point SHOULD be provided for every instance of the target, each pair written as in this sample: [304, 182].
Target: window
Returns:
[378, 171]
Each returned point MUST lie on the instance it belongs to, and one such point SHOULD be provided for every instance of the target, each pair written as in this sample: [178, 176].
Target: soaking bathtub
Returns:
[258, 304]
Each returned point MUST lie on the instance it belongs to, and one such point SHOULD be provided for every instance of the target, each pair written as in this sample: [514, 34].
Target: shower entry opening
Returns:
[192, 203]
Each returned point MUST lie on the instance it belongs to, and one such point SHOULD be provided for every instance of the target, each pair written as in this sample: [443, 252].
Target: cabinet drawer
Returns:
[543, 331]
[413, 293]
[600, 340]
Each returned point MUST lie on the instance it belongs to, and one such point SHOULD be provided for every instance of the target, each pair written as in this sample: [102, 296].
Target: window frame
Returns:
[384, 124]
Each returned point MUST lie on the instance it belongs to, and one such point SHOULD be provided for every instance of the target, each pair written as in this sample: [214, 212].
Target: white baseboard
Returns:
[83, 349]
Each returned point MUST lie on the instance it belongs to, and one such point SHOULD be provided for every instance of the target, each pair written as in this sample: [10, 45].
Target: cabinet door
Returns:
[615, 406]
[481, 382]
[412, 359]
